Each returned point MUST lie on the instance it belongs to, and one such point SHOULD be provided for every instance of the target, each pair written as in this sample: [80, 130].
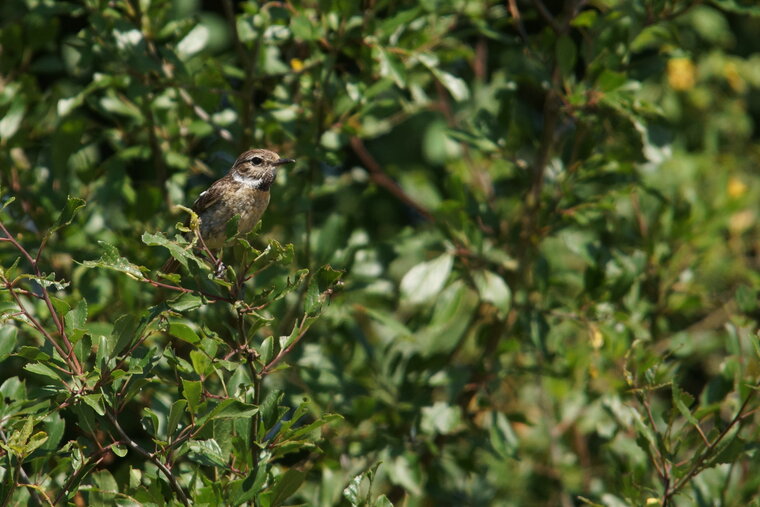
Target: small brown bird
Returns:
[244, 191]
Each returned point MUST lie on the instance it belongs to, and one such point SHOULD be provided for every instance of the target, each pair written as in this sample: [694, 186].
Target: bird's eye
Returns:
[257, 161]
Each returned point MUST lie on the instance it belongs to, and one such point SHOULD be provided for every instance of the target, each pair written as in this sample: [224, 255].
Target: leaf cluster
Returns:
[515, 263]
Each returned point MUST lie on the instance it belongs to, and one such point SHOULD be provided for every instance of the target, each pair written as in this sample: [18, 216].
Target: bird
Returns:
[243, 191]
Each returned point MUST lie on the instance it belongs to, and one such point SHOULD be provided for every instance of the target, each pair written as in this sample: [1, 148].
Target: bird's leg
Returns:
[216, 260]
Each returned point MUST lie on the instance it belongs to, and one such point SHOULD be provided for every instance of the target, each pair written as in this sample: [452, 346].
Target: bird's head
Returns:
[257, 168]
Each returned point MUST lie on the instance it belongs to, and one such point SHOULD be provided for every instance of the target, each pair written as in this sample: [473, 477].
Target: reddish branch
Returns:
[380, 178]
[68, 355]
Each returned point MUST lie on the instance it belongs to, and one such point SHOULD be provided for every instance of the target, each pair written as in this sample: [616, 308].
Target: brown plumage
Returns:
[243, 191]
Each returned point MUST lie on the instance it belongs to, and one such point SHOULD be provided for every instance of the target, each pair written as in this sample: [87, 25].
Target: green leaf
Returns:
[352, 492]
[175, 415]
[244, 490]
[8, 337]
[269, 408]
[73, 205]
[425, 281]
[682, 400]
[311, 300]
[286, 485]
[305, 431]
[207, 452]
[303, 28]
[7, 202]
[609, 80]
[95, 401]
[183, 332]
[112, 260]
[193, 42]
[35, 441]
[455, 85]
[55, 426]
[185, 302]
[11, 120]
[191, 390]
[33, 353]
[200, 361]
[566, 54]
[502, 437]
[76, 318]
[45, 281]
[22, 442]
[61, 306]
[274, 253]
[178, 252]
[266, 349]
[746, 299]
[493, 289]
[454, 309]
[440, 418]
[383, 501]
[126, 329]
[746, 8]
[732, 450]
[150, 421]
[391, 66]
[41, 369]
[388, 320]
[229, 409]
[319, 289]
[585, 19]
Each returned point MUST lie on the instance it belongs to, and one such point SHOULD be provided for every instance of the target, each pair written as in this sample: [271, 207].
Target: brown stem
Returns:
[380, 178]
[36, 324]
[93, 461]
[152, 458]
[515, 12]
[696, 466]
[544, 12]
[284, 352]
[70, 357]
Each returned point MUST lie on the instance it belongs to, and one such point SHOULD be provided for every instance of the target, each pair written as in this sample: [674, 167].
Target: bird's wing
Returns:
[207, 198]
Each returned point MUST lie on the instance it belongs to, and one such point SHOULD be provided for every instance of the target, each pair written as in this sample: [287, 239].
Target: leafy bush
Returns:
[515, 264]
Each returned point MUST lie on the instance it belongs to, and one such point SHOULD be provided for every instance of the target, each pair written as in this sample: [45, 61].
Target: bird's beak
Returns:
[284, 161]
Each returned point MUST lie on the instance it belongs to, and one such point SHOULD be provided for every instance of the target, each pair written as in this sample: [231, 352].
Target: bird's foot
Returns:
[220, 270]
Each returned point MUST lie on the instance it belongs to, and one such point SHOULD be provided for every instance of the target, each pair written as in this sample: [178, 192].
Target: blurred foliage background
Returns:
[545, 213]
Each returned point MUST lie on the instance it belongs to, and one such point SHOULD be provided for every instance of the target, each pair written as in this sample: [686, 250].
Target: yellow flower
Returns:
[296, 64]
[596, 338]
[681, 74]
[736, 187]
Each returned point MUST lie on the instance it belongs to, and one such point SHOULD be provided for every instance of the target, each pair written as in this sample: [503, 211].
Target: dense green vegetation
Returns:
[516, 262]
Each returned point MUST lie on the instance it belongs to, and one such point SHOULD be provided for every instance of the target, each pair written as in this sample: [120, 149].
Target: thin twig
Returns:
[515, 12]
[69, 356]
[35, 499]
[697, 463]
[153, 459]
[35, 323]
[284, 352]
[380, 178]
[93, 461]
[544, 12]
[203, 115]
